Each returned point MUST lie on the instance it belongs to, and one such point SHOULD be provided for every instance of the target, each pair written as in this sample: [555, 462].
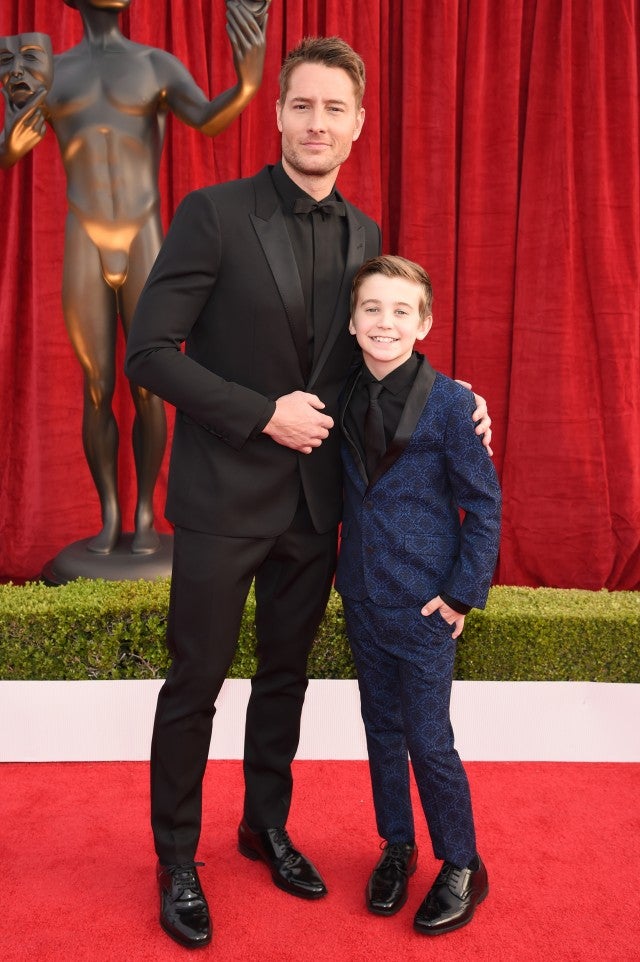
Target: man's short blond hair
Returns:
[329, 51]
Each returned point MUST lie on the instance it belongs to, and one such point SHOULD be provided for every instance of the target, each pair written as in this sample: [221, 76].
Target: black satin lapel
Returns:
[274, 237]
[353, 447]
[355, 258]
[418, 397]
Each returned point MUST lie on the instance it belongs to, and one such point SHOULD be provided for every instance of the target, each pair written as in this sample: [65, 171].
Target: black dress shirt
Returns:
[396, 388]
[331, 235]
[319, 242]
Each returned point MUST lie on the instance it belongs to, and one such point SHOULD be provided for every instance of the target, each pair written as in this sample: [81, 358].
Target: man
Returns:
[108, 105]
[254, 276]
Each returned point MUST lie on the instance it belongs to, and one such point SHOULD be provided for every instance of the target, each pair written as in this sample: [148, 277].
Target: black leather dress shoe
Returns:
[290, 870]
[184, 913]
[387, 888]
[452, 899]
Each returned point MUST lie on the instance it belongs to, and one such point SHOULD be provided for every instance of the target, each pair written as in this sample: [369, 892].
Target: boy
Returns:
[408, 572]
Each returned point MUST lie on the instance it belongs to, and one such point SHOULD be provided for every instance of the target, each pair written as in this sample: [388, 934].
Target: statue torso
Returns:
[106, 108]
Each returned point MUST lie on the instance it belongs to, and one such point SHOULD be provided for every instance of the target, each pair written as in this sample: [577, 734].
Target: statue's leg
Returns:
[149, 434]
[90, 313]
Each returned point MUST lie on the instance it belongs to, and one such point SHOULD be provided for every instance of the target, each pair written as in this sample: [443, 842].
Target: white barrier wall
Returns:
[493, 721]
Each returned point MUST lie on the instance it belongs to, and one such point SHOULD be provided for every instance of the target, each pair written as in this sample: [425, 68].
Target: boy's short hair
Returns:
[392, 265]
[329, 51]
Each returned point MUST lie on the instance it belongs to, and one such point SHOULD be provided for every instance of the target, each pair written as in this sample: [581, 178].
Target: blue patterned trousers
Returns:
[405, 671]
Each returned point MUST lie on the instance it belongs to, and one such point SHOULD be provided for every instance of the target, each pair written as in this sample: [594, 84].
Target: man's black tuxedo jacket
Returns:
[226, 283]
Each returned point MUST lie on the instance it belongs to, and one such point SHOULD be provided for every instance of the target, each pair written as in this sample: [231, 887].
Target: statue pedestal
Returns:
[76, 561]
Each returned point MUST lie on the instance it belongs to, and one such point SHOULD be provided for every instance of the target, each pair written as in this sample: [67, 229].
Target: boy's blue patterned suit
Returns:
[403, 543]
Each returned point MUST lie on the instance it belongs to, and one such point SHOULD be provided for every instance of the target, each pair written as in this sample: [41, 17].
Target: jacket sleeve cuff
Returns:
[458, 606]
[264, 419]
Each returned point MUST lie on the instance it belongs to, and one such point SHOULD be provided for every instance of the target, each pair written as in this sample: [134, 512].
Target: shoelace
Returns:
[185, 877]
[280, 837]
[450, 876]
[395, 856]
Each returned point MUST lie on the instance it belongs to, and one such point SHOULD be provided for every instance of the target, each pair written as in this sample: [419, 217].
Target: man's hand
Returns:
[298, 422]
[450, 616]
[481, 417]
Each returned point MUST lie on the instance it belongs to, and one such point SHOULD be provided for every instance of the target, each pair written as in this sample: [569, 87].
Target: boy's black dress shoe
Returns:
[452, 899]
[387, 888]
[184, 913]
[290, 870]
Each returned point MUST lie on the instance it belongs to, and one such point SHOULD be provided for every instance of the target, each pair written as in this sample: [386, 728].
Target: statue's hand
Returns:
[248, 43]
[24, 128]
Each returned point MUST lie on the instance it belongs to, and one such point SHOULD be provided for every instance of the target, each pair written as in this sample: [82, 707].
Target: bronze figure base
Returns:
[75, 561]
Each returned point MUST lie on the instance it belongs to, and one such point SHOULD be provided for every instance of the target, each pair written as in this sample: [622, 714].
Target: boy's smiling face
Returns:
[387, 320]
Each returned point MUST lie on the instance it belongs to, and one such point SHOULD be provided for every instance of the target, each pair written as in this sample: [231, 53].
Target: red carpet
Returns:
[561, 843]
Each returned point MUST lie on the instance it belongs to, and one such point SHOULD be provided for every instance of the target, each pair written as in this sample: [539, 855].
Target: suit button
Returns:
[369, 549]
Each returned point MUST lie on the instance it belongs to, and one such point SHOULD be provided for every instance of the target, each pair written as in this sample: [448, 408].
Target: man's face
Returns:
[26, 65]
[319, 120]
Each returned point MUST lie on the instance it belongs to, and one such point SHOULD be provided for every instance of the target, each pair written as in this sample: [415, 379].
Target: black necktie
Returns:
[375, 443]
[306, 205]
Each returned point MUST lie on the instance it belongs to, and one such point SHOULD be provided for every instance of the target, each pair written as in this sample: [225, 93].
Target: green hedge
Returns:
[114, 630]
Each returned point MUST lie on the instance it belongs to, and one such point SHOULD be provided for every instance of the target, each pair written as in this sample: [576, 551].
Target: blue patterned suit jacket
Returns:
[403, 541]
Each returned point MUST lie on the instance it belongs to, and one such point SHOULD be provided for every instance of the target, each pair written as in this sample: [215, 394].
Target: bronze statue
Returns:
[107, 105]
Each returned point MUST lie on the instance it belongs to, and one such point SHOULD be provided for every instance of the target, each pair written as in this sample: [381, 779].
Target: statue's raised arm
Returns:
[187, 101]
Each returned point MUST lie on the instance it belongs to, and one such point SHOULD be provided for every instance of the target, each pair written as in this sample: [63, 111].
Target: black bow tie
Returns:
[306, 205]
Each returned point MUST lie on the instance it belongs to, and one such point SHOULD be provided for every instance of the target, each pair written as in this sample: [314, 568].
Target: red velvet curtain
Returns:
[501, 151]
